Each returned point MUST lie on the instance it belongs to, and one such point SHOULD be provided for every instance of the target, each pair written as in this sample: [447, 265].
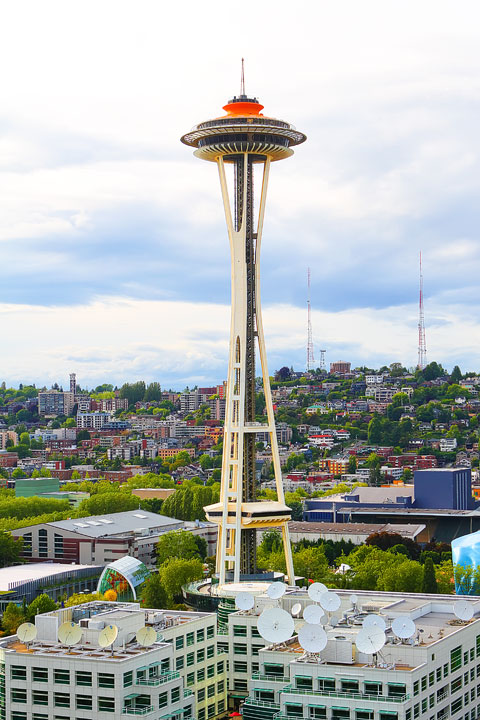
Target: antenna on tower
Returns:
[242, 79]
[310, 357]
[422, 346]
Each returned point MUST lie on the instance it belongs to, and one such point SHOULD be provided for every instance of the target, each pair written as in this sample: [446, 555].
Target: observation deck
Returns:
[261, 515]
[243, 130]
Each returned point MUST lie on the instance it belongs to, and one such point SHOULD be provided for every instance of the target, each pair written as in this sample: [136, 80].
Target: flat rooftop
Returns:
[406, 530]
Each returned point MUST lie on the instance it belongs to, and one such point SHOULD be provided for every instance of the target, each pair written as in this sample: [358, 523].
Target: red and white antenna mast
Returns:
[422, 346]
[310, 357]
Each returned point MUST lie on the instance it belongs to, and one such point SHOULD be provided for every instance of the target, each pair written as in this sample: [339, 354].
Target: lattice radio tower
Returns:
[422, 346]
[310, 356]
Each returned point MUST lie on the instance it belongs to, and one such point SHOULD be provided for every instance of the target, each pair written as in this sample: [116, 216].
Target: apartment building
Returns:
[6, 436]
[55, 402]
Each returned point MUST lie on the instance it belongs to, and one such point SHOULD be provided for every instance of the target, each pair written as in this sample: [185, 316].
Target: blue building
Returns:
[445, 488]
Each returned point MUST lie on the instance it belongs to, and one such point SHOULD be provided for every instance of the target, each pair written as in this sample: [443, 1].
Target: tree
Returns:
[352, 465]
[176, 544]
[374, 431]
[283, 374]
[201, 544]
[12, 618]
[311, 563]
[10, 549]
[42, 604]
[25, 439]
[76, 475]
[17, 474]
[153, 392]
[107, 502]
[83, 435]
[153, 593]
[79, 598]
[386, 540]
[429, 584]
[375, 477]
[176, 572]
[456, 375]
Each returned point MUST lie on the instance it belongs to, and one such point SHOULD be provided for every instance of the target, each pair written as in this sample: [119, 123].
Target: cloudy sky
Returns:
[114, 260]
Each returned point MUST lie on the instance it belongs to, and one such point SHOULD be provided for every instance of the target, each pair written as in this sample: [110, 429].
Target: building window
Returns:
[201, 695]
[439, 674]
[424, 683]
[201, 714]
[61, 699]
[83, 678]
[128, 678]
[388, 715]
[42, 543]
[211, 710]
[431, 700]
[106, 704]
[39, 697]
[240, 631]
[179, 663]
[431, 679]
[18, 672]
[210, 671]
[241, 667]
[165, 665]
[163, 700]
[375, 688]
[18, 715]
[58, 545]
[221, 706]
[456, 705]
[175, 695]
[220, 667]
[264, 695]
[83, 702]
[190, 679]
[210, 632]
[240, 685]
[61, 677]
[19, 695]
[416, 687]
[368, 714]
[106, 680]
[190, 638]
[39, 674]
[210, 651]
[340, 713]
[27, 545]
[221, 687]
[200, 675]
[187, 713]
[350, 686]
[396, 689]
[200, 635]
[294, 710]
[239, 649]
[179, 642]
[211, 691]
[190, 658]
[424, 706]
[456, 684]
[200, 655]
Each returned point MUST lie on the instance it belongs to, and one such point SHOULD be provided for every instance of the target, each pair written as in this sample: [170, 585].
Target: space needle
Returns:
[245, 142]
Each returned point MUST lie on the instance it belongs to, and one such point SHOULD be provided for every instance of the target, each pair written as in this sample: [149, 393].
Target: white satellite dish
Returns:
[276, 590]
[296, 610]
[312, 638]
[324, 620]
[108, 636]
[312, 614]
[370, 640]
[69, 633]
[463, 610]
[146, 636]
[334, 620]
[275, 625]
[316, 590]
[26, 632]
[330, 601]
[374, 621]
[353, 599]
[403, 627]
[244, 601]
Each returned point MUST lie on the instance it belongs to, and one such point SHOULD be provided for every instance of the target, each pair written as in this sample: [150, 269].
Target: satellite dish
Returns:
[330, 601]
[353, 599]
[463, 610]
[324, 620]
[276, 590]
[108, 636]
[312, 638]
[334, 621]
[275, 625]
[296, 610]
[312, 614]
[374, 621]
[244, 601]
[69, 633]
[26, 632]
[370, 640]
[403, 627]
[316, 590]
[146, 636]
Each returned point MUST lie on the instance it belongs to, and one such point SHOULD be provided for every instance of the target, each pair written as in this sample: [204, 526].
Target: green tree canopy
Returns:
[153, 593]
[42, 604]
[176, 572]
[176, 544]
[12, 618]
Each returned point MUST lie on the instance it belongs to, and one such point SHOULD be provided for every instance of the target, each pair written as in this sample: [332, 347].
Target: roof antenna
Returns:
[242, 80]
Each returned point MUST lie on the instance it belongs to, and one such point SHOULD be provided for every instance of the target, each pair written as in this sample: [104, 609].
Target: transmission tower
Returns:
[310, 356]
[422, 346]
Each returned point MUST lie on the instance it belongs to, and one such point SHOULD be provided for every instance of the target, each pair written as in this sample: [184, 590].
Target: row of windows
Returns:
[210, 710]
[210, 692]
[191, 683]
[241, 631]
[20, 715]
[187, 640]
[443, 671]
[189, 658]
[62, 677]
[240, 649]
[82, 702]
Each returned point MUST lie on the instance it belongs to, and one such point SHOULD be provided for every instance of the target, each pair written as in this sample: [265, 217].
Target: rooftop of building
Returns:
[406, 530]
[116, 523]
[11, 577]
[93, 617]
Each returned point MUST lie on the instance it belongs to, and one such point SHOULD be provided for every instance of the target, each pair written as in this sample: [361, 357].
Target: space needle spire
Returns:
[245, 142]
